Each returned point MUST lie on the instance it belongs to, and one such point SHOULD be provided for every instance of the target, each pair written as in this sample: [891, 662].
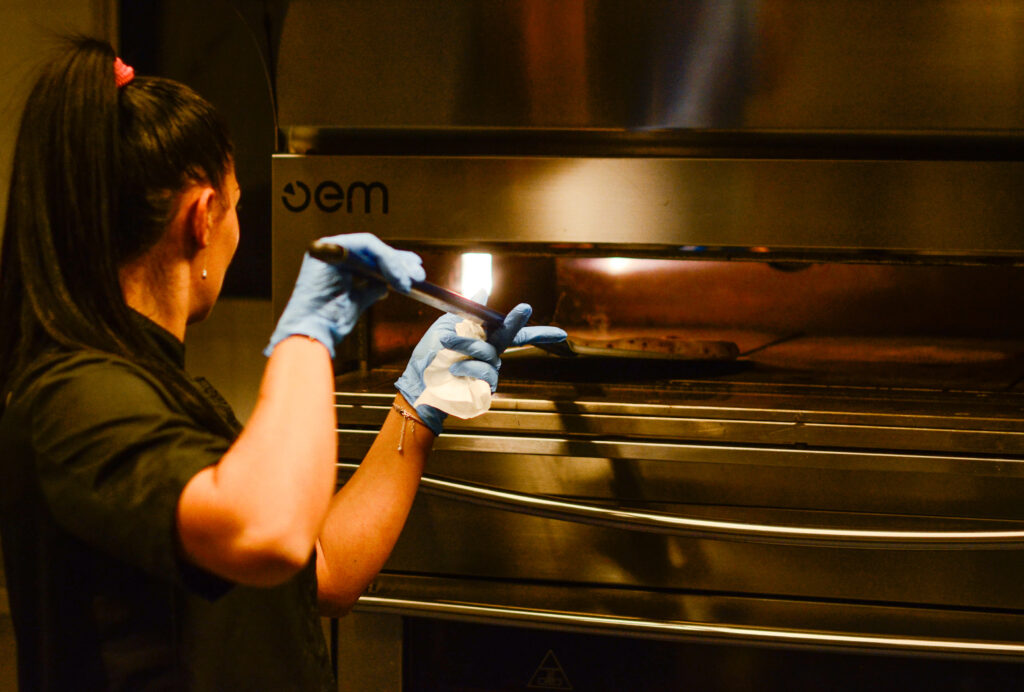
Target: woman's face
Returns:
[224, 235]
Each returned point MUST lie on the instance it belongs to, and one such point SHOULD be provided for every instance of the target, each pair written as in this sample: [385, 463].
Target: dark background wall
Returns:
[225, 50]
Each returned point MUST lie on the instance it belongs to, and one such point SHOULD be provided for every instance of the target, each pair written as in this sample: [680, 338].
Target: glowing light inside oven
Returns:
[476, 274]
[616, 265]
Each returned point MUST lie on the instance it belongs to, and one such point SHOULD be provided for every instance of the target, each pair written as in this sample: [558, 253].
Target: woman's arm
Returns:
[254, 516]
[367, 515]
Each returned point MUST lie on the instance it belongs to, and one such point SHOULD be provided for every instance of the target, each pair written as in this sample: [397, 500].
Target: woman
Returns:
[151, 542]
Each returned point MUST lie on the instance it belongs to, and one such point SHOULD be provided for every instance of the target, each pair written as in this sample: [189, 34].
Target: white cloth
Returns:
[462, 397]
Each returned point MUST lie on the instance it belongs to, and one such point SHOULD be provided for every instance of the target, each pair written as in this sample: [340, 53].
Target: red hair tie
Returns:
[122, 73]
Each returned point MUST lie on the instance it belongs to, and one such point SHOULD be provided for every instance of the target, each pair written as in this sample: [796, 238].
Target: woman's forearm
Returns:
[254, 516]
[367, 515]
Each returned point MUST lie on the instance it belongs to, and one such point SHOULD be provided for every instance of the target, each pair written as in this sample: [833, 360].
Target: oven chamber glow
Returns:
[475, 274]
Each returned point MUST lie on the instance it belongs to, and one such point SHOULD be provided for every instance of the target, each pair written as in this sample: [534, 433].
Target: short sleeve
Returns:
[113, 452]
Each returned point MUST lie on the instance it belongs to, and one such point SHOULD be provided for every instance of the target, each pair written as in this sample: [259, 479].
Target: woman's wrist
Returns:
[410, 417]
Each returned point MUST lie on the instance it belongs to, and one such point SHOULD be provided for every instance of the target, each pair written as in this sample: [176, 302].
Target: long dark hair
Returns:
[96, 174]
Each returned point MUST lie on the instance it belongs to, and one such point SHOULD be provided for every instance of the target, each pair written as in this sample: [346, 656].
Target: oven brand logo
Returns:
[331, 196]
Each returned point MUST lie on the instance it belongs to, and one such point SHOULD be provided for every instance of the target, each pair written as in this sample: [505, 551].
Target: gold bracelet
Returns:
[408, 417]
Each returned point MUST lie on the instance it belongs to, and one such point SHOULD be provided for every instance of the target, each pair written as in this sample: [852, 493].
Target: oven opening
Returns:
[661, 322]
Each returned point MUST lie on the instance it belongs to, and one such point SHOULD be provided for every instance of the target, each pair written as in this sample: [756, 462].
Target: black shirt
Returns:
[95, 454]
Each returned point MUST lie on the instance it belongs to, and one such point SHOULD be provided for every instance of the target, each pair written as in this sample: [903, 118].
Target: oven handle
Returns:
[553, 508]
[671, 629]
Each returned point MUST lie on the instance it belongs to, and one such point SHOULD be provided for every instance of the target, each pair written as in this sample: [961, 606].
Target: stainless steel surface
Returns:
[684, 630]
[619, 64]
[810, 457]
[1006, 468]
[694, 527]
[722, 617]
[849, 427]
[452, 538]
[684, 208]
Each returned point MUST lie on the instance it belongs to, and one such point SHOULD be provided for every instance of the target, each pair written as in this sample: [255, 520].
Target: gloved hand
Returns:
[484, 356]
[326, 302]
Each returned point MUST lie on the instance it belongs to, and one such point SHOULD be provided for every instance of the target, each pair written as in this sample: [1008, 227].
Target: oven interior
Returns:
[831, 324]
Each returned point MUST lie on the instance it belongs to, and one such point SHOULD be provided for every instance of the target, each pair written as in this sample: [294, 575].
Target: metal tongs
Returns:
[427, 293]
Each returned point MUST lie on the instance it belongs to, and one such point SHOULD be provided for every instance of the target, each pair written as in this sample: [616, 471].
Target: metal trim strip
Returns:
[564, 510]
[355, 442]
[683, 629]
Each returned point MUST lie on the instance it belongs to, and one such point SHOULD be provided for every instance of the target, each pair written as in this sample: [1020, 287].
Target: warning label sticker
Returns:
[549, 675]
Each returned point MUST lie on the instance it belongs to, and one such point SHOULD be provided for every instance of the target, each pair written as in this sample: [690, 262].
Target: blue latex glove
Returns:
[485, 356]
[326, 302]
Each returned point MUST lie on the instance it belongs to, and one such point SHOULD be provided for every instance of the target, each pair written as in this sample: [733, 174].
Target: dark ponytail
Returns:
[97, 171]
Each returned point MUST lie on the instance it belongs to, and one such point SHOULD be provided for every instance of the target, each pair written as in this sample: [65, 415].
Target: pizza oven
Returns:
[785, 238]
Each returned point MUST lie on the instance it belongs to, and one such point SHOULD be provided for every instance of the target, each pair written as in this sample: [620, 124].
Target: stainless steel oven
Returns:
[832, 190]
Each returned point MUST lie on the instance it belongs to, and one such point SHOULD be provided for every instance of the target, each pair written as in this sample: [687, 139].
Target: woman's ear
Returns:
[201, 216]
